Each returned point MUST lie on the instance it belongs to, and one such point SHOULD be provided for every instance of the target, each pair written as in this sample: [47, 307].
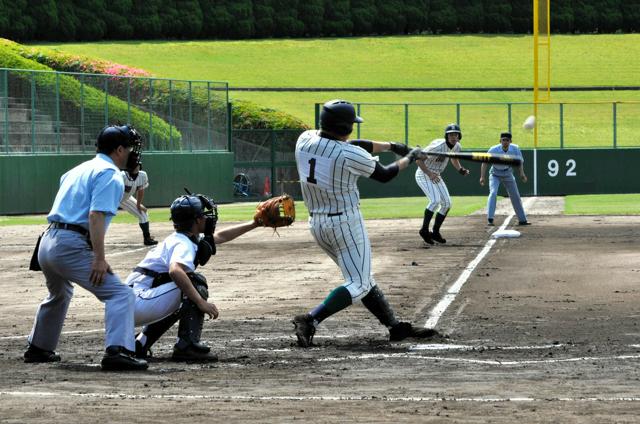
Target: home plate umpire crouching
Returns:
[71, 250]
[329, 166]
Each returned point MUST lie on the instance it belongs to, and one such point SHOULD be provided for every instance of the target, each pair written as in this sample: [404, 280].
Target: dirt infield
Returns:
[545, 329]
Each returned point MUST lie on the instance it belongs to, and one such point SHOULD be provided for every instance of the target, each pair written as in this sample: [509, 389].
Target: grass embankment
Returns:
[464, 61]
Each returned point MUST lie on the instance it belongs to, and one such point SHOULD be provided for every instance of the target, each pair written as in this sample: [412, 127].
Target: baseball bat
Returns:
[481, 157]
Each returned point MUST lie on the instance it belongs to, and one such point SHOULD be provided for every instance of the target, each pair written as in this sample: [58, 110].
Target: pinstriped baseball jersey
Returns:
[329, 171]
[437, 164]
[132, 186]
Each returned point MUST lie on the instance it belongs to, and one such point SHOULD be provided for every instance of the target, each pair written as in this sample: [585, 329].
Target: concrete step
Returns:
[14, 102]
[21, 139]
[25, 127]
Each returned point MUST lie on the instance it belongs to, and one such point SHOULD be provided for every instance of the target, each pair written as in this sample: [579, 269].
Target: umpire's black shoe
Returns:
[35, 354]
[305, 330]
[404, 330]
[438, 237]
[117, 358]
[192, 353]
[426, 236]
[490, 222]
[524, 223]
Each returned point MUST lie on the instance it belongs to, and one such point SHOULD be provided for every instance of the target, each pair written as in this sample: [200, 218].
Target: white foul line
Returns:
[439, 399]
[452, 292]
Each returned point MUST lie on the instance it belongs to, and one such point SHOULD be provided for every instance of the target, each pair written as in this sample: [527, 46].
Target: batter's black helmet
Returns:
[185, 209]
[452, 128]
[338, 117]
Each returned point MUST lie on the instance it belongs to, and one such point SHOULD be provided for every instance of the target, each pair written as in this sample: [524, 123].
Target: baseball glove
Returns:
[276, 212]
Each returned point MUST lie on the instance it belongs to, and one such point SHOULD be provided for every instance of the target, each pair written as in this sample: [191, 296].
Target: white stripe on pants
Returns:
[130, 204]
[344, 238]
[437, 193]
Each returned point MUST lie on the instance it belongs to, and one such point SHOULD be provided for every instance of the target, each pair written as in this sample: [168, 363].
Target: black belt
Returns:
[72, 227]
[159, 278]
[329, 214]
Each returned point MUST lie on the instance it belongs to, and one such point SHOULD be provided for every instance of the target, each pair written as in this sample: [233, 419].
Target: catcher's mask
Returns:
[113, 136]
[452, 128]
[187, 208]
[338, 117]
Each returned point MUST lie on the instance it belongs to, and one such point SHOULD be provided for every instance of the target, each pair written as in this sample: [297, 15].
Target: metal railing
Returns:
[560, 124]
[62, 112]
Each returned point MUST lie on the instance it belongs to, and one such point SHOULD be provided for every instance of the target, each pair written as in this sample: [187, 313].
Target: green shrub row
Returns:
[245, 114]
[93, 100]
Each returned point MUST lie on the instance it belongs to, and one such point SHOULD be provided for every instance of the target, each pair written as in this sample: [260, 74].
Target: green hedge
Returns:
[92, 99]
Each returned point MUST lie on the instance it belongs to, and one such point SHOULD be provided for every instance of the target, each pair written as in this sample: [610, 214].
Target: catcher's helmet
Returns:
[185, 209]
[452, 128]
[338, 117]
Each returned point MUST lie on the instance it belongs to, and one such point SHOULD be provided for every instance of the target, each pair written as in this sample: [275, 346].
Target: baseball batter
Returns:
[429, 179]
[72, 251]
[166, 286]
[329, 167]
[500, 173]
[135, 183]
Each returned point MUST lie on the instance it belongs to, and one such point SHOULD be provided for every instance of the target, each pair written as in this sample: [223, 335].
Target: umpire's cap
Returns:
[338, 117]
[113, 136]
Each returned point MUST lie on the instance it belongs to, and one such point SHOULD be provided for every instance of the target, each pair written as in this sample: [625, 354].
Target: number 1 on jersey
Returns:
[312, 168]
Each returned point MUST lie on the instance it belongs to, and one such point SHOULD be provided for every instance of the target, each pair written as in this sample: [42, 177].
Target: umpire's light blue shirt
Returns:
[501, 169]
[94, 185]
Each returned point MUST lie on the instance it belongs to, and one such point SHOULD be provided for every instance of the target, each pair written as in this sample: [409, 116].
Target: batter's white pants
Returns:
[437, 193]
[344, 238]
[153, 304]
[129, 204]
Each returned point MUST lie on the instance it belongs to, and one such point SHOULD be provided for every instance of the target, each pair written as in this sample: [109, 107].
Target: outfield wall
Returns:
[28, 184]
[557, 172]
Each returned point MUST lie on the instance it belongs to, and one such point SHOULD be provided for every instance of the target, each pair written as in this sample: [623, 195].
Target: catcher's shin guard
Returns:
[377, 304]
[191, 322]
[153, 332]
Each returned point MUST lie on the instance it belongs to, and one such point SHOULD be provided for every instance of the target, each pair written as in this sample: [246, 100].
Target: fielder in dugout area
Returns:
[72, 250]
[429, 179]
[329, 166]
[135, 183]
[501, 173]
[167, 288]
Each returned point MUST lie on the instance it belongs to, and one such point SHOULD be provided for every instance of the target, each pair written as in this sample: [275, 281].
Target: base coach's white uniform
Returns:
[131, 187]
[437, 193]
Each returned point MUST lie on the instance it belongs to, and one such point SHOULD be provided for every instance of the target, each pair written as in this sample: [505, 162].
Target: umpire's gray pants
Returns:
[65, 257]
[510, 185]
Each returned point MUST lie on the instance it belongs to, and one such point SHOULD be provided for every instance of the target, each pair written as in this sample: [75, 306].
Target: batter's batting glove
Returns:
[463, 171]
[399, 148]
[414, 154]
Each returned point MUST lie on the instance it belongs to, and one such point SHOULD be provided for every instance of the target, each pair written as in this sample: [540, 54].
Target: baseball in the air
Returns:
[529, 123]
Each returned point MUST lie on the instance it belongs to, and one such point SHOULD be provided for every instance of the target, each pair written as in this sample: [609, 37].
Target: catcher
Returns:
[165, 283]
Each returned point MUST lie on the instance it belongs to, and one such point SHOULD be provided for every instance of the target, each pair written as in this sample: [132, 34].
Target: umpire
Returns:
[72, 250]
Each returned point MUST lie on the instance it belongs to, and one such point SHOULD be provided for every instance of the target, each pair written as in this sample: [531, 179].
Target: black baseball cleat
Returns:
[524, 223]
[150, 241]
[305, 330]
[404, 330]
[437, 237]
[34, 354]
[117, 358]
[193, 353]
[426, 236]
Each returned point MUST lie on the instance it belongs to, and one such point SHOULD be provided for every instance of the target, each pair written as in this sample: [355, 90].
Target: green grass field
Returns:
[384, 208]
[415, 61]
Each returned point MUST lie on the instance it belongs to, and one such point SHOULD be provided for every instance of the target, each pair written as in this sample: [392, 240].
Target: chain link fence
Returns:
[62, 112]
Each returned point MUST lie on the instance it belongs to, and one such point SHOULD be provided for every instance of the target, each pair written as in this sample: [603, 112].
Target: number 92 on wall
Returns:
[569, 169]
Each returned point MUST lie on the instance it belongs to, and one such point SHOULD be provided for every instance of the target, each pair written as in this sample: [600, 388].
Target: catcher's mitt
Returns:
[276, 212]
